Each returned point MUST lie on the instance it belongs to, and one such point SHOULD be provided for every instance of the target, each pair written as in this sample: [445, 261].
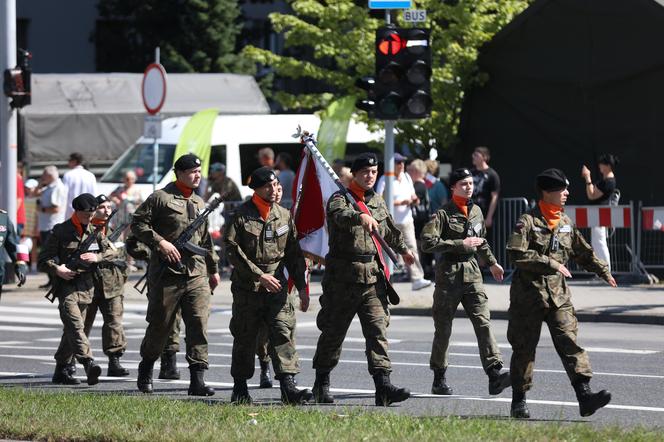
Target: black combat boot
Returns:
[291, 395]
[498, 381]
[144, 381]
[61, 375]
[92, 370]
[590, 402]
[114, 367]
[440, 383]
[71, 367]
[266, 376]
[386, 393]
[169, 366]
[519, 410]
[240, 393]
[197, 385]
[321, 388]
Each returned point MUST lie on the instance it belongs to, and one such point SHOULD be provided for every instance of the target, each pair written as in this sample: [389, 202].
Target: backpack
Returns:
[422, 211]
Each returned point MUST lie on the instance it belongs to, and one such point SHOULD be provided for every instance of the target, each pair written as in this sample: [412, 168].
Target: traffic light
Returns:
[368, 104]
[403, 74]
[16, 84]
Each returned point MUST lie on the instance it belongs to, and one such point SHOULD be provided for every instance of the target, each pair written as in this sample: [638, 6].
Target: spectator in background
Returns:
[30, 231]
[284, 167]
[337, 165]
[20, 200]
[345, 176]
[403, 195]
[78, 180]
[266, 157]
[52, 204]
[126, 198]
[602, 193]
[421, 211]
[487, 185]
[438, 194]
[222, 184]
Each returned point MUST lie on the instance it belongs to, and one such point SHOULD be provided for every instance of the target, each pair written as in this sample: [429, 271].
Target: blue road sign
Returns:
[390, 4]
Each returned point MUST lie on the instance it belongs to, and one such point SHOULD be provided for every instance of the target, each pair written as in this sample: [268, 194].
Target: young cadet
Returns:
[73, 288]
[543, 241]
[457, 232]
[354, 282]
[158, 222]
[259, 243]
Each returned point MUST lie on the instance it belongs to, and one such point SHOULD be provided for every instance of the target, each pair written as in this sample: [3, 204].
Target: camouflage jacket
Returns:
[445, 232]
[111, 274]
[538, 252]
[254, 247]
[8, 240]
[165, 215]
[352, 255]
[61, 244]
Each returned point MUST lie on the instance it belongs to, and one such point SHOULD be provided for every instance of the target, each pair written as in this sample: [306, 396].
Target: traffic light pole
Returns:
[389, 158]
[8, 118]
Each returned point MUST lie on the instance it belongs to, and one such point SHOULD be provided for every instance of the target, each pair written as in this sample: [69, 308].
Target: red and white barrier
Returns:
[653, 218]
[600, 216]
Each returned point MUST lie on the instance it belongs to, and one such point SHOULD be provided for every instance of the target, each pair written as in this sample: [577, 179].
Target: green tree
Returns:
[193, 35]
[341, 34]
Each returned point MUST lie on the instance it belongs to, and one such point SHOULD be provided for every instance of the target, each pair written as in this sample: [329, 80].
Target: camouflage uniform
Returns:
[459, 280]
[354, 283]
[165, 215]
[539, 293]
[255, 247]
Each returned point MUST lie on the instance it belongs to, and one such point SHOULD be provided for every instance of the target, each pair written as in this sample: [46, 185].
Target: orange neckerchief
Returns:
[551, 213]
[356, 189]
[186, 191]
[462, 203]
[99, 222]
[77, 225]
[262, 206]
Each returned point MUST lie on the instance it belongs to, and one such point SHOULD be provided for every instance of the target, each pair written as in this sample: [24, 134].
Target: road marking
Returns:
[589, 349]
[21, 329]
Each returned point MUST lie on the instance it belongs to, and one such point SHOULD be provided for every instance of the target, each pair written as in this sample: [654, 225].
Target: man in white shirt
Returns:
[52, 204]
[403, 195]
[78, 181]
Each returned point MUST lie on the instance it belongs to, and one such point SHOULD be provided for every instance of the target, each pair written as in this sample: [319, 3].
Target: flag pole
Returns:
[310, 143]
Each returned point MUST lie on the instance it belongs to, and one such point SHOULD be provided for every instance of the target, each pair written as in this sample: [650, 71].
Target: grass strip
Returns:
[42, 415]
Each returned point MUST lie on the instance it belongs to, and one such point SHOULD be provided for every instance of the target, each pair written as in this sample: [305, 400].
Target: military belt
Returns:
[357, 258]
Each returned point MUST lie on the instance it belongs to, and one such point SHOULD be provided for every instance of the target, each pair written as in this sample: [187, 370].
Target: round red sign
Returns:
[153, 88]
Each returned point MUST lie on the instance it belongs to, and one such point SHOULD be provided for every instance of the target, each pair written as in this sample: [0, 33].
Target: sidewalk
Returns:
[594, 301]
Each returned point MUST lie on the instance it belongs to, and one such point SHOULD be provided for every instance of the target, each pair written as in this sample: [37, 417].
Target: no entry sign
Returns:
[153, 88]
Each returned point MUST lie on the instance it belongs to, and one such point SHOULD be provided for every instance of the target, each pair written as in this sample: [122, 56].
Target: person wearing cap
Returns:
[457, 232]
[222, 184]
[404, 196]
[77, 180]
[73, 288]
[260, 242]
[354, 282]
[17, 252]
[543, 241]
[158, 222]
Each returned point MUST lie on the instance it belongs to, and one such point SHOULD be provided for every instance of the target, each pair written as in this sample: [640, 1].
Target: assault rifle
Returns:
[73, 261]
[183, 242]
[118, 232]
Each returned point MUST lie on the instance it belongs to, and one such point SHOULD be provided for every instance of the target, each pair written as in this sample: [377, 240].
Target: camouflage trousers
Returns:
[262, 343]
[523, 333]
[113, 340]
[173, 340]
[74, 342]
[190, 295]
[340, 302]
[275, 312]
[446, 299]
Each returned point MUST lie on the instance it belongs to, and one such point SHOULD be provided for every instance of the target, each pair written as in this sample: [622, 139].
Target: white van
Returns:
[236, 140]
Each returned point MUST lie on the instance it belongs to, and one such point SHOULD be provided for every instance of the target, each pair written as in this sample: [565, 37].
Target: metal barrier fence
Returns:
[650, 236]
[508, 212]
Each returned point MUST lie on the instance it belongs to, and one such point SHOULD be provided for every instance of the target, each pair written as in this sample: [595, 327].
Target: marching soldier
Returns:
[9, 241]
[543, 241]
[158, 222]
[259, 243]
[354, 282]
[109, 279]
[73, 288]
[457, 231]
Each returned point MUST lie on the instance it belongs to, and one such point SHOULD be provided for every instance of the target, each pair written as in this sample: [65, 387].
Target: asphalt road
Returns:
[628, 361]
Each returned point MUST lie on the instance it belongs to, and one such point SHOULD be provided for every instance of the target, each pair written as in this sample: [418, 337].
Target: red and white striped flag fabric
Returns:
[600, 216]
[653, 218]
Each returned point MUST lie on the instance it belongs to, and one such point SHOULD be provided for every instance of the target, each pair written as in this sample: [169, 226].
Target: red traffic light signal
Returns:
[390, 43]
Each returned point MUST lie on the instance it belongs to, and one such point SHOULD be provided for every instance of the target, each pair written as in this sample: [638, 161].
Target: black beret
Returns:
[186, 162]
[101, 199]
[363, 160]
[552, 179]
[458, 175]
[261, 177]
[85, 202]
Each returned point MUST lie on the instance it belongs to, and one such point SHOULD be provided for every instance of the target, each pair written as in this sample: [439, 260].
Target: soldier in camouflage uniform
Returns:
[543, 241]
[9, 241]
[457, 231]
[259, 243]
[74, 289]
[158, 222]
[354, 283]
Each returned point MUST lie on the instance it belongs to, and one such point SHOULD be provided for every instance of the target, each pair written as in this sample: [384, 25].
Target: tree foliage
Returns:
[193, 35]
[341, 35]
